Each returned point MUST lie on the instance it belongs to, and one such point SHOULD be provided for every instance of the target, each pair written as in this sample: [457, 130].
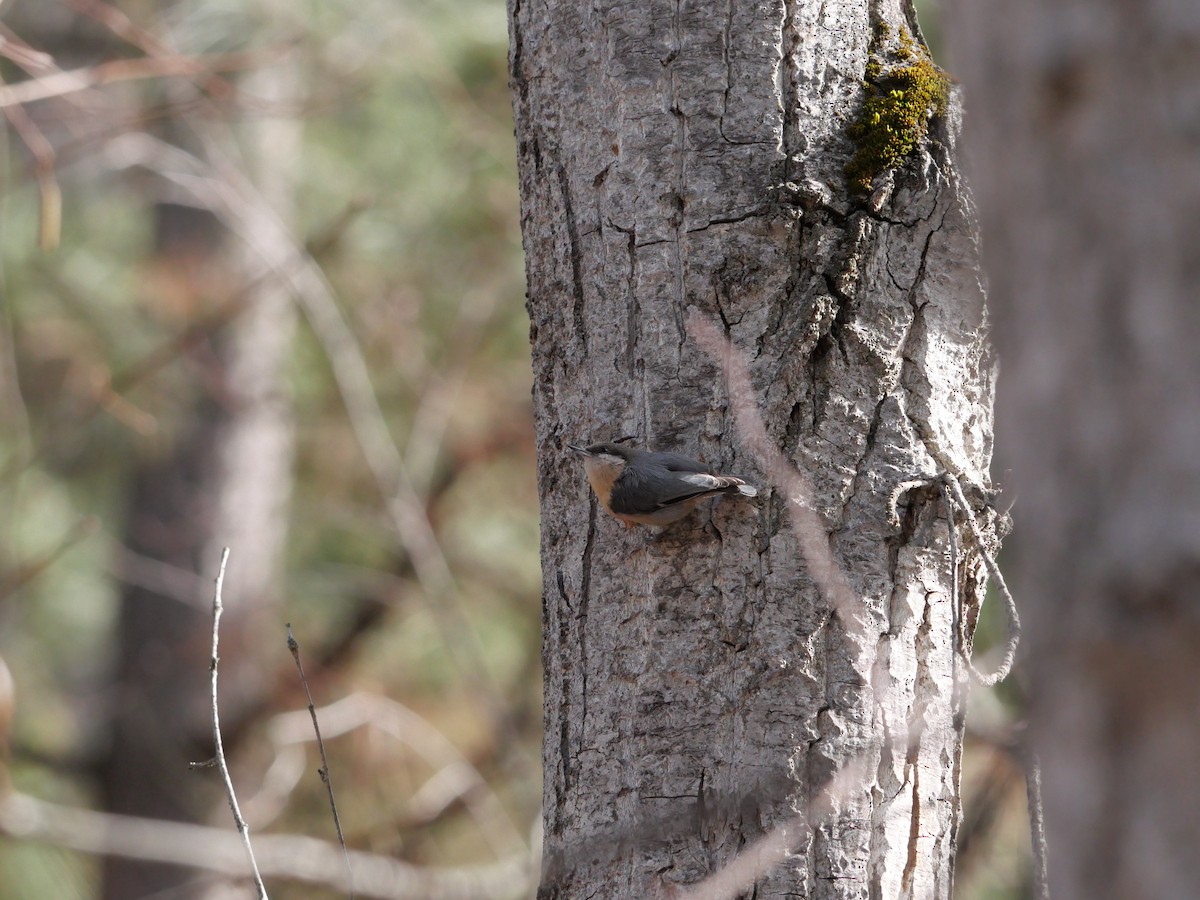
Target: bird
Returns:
[646, 487]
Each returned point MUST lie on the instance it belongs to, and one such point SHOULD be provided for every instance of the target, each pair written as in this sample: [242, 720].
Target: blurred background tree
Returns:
[160, 402]
[262, 287]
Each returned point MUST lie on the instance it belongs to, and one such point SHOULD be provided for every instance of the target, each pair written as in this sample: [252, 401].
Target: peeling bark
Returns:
[699, 689]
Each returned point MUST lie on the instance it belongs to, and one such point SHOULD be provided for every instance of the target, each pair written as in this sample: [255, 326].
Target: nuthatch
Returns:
[647, 488]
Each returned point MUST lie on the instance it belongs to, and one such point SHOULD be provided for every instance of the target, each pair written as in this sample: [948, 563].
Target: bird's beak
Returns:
[578, 449]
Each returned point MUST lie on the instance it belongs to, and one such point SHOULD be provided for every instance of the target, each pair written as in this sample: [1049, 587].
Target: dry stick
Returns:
[1037, 823]
[404, 725]
[811, 534]
[953, 497]
[50, 208]
[122, 26]
[764, 854]
[22, 55]
[961, 684]
[294, 646]
[290, 857]
[73, 81]
[26, 572]
[109, 395]
[1014, 620]
[152, 45]
[219, 758]
[239, 205]
[956, 616]
[812, 539]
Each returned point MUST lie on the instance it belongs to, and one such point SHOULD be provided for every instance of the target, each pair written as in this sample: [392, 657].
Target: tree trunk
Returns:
[700, 688]
[227, 484]
[1088, 134]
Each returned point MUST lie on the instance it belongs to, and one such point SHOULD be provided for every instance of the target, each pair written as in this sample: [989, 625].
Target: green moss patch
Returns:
[904, 91]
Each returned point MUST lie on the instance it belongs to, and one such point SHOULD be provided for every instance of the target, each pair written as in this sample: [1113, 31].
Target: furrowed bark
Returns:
[700, 690]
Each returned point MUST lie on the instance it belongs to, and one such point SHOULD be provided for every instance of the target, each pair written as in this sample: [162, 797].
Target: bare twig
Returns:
[219, 758]
[773, 848]
[1037, 822]
[240, 206]
[812, 536]
[122, 26]
[50, 208]
[290, 857]
[73, 81]
[27, 572]
[406, 726]
[294, 647]
[168, 581]
[22, 55]
[953, 497]
[1014, 620]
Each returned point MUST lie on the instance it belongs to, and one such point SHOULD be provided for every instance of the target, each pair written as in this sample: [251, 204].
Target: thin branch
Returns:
[1037, 822]
[50, 194]
[239, 205]
[294, 647]
[168, 581]
[108, 393]
[122, 26]
[403, 724]
[219, 758]
[764, 854]
[953, 497]
[1014, 620]
[292, 857]
[74, 81]
[812, 536]
[22, 55]
[13, 581]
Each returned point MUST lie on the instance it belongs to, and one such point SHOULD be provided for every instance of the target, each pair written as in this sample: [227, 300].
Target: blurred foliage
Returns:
[406, 196]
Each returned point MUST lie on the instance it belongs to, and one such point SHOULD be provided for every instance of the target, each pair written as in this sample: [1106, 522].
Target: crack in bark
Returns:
[868, 448]
[725, 41]
[916, 729]
[760, 210]
[517, 81]
[633, 316]
[564, 722]
[585, 598]
[575, 253]
[678, 218]
[786, 83]
[793, 430]
[919, 279]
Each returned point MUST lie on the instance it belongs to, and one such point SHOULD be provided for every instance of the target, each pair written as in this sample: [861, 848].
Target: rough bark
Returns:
[699, 690]
[1087, 137]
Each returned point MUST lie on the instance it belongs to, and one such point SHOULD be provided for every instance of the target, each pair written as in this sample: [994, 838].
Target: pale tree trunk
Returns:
[229, 484]
[700, 690]
[1087, 133]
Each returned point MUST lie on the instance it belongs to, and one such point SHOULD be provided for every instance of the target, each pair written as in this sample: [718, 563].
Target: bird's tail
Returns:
[737, 486]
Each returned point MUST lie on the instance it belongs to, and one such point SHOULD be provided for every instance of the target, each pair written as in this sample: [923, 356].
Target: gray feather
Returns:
[646, 487]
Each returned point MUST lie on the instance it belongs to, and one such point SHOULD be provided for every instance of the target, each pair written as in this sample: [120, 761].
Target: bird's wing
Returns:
[631, 492]
[677, 462]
